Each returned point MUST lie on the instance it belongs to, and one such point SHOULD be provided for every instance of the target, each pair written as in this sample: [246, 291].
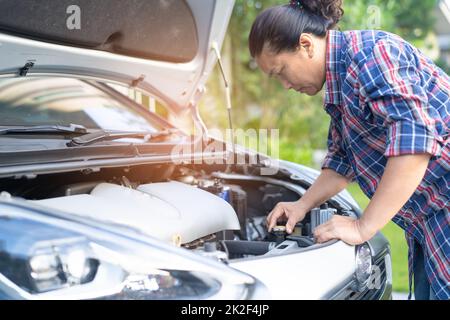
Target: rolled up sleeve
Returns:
[409, 137]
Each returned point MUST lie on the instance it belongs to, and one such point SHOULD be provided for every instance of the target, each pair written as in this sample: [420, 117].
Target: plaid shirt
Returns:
[386, 99]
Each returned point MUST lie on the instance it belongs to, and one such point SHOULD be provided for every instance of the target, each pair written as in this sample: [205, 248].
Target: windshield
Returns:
[62, 101]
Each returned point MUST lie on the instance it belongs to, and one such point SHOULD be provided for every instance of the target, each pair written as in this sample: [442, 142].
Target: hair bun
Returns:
[329, 9]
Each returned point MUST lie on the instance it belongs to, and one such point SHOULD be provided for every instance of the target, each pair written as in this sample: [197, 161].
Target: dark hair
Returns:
[280, 27]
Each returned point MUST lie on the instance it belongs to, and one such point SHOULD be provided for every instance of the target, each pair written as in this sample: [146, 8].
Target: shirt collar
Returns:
[335, 45]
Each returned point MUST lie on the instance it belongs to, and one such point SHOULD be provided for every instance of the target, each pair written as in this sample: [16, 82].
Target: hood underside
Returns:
[159, 46]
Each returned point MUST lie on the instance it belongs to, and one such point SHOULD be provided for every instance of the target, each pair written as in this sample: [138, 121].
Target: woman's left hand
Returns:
[346, 229]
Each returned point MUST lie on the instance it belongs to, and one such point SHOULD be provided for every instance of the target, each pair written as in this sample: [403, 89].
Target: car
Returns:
[99, 197]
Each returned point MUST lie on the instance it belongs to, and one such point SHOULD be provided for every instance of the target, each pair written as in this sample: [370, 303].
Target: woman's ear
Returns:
[306, 42]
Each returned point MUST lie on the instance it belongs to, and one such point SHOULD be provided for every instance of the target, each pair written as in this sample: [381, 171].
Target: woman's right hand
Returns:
[292, 211]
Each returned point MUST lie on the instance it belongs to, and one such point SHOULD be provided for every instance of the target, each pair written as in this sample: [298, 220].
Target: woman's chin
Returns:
[309, 91]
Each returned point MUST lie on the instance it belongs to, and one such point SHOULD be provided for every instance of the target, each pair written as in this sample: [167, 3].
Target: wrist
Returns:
[366, 230]
[301, 205]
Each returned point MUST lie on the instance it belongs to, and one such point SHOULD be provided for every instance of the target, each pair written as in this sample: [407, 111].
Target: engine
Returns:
[170, 211]
[219, 216]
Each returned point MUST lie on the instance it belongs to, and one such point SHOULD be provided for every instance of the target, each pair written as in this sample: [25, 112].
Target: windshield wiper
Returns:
[72, 128]
[102, 135]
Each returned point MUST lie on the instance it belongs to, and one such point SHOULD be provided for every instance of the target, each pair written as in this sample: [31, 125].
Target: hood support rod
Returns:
[227, 93]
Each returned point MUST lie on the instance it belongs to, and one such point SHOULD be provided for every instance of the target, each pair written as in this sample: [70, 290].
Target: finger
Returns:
[269, 218]
[277, 213]
[290, 225]
[324, 237]
[323, 228]
[274, 210]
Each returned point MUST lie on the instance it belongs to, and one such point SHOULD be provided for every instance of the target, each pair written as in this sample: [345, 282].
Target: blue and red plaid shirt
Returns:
[387, 99]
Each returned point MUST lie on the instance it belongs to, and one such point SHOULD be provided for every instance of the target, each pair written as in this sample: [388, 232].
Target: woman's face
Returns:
[302, 70]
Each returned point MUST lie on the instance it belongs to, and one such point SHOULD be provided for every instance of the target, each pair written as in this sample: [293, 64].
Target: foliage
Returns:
[444, 65]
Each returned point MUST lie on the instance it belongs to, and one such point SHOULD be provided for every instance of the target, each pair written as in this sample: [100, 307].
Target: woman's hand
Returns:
[292, 211]
[349, 230]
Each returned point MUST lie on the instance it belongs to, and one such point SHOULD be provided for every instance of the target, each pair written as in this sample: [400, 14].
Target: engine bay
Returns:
[215, 214]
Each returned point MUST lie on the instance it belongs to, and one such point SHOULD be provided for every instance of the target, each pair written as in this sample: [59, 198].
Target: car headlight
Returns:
[44, 257]
[60, 265]
[363, 265]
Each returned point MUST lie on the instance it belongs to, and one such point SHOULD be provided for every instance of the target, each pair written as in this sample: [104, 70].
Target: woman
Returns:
[390, 119]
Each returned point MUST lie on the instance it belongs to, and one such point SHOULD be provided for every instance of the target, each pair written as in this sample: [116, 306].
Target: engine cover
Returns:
[163, 210]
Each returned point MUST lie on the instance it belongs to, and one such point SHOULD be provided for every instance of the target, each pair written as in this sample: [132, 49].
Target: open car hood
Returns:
[160, 46]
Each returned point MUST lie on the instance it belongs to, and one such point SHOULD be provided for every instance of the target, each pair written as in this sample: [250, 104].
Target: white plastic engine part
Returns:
[166, 210]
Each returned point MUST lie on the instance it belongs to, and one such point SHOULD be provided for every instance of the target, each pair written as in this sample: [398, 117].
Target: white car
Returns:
[94, 204]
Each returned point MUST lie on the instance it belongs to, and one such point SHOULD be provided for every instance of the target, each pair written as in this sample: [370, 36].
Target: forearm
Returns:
[328, 184]
[401, 178]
